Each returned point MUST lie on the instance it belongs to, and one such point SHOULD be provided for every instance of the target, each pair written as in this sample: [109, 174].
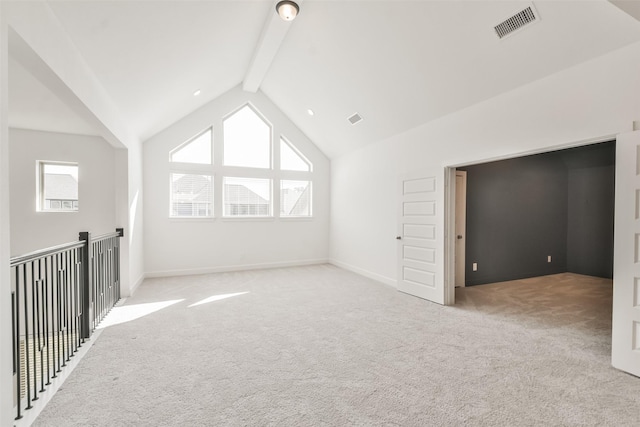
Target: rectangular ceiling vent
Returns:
[356, 118]
[516, 22]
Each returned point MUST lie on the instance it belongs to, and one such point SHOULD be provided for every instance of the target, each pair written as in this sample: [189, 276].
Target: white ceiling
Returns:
[399, 64]
[35, 106]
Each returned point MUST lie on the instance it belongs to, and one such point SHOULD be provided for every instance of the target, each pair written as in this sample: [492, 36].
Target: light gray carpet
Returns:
[320, 346]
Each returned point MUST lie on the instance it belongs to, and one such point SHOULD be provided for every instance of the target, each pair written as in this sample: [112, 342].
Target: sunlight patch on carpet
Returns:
[127, 313]
[217, 298]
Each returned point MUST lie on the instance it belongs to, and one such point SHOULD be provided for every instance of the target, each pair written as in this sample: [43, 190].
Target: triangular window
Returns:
[291, 159]
[196, 150]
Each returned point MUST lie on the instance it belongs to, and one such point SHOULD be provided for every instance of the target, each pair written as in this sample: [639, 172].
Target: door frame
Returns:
[457, 241]
[450, 199]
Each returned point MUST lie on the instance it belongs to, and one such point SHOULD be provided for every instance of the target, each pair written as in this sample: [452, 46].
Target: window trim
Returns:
[40, 188]
[211, 195]
[248, 216]
[257, 112]
[218, 170]
[296, 151]
[310, 187]
[189, 141]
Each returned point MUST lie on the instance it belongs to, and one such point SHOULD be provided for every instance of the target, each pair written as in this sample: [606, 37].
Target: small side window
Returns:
[57, 187]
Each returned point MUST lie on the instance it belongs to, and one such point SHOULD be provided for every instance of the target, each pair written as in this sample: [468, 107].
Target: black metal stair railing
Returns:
[103, 280]
[59, 295]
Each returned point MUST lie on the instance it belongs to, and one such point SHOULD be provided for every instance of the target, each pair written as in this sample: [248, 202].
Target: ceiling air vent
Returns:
[516, 22]
[356, 118]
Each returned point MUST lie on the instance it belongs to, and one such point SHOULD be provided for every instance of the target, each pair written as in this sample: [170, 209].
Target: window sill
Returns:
[191, 219]
[297, 218]
[248, 218]
[242, 219]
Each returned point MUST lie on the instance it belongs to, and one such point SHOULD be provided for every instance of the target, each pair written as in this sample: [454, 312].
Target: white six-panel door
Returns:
[625, 348]
[420, 239]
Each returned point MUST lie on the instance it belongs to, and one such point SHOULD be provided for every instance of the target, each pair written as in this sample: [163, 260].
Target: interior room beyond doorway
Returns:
[543, 214]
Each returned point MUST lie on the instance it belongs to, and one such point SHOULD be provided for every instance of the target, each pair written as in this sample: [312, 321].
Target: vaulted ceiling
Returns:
[399, 64]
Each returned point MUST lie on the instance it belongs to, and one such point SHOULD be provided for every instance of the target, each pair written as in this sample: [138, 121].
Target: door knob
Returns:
[398, 237]
[459, 236]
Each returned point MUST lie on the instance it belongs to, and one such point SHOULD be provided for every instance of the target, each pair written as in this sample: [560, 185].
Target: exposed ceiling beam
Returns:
[273, 33]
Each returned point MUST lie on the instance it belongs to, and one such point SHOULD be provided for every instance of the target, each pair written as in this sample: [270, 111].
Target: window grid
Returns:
[247, 187]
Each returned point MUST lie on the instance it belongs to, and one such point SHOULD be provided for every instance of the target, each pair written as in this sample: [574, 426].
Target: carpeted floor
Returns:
[320, 346]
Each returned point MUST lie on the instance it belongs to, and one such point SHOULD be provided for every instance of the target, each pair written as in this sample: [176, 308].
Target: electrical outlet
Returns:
[549, 258]
[475, 266]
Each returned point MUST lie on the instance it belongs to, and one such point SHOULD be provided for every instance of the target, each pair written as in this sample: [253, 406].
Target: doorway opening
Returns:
[536, 215]
[539, 238]
[624, 335]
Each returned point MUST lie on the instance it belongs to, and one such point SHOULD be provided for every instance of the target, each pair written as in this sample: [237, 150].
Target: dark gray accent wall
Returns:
[559, 204]
[590, 227]
[516, 217]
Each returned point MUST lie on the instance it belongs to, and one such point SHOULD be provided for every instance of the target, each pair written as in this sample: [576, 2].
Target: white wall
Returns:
[133, 245]
[6, 358]
[594, 100]
[55, 61]
[60, 66]
[178, 246]
[32, 230]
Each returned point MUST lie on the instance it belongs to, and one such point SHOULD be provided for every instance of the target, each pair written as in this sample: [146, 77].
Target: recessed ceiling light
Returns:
[310, 112]
[196, 93]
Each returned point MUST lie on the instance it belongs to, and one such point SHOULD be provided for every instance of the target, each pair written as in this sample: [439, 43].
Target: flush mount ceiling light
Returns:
[287, 10]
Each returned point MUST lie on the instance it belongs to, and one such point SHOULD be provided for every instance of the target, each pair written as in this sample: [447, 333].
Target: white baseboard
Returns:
[224, 269]
[366, 273]
[137, 284]
[124, 292]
